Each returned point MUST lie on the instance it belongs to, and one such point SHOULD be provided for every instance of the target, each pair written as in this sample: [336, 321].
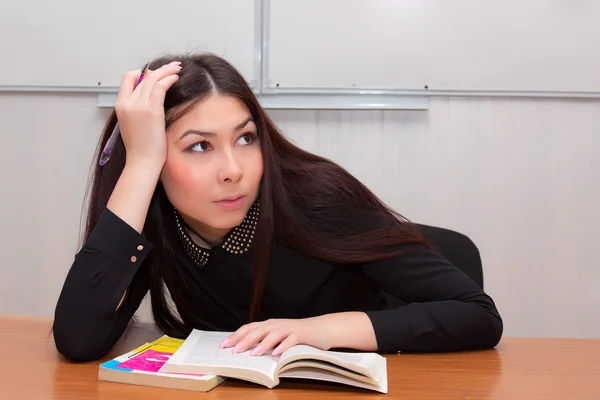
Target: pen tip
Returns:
[104, 158]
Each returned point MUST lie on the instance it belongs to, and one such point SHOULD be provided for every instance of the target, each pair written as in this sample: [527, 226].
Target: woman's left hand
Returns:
[283, 333]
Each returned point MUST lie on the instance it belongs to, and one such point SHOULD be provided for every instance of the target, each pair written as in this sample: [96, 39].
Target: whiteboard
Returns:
[84, 43]
[501, 45]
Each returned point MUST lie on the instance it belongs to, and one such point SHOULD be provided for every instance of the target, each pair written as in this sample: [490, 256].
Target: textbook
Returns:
[141, 367]
[200, 354]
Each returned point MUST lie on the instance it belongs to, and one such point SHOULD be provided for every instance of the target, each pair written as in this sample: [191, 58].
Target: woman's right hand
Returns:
[141, 115]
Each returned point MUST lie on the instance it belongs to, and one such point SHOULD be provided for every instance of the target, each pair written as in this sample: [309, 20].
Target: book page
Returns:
[201, 350]
[304, 372]
[327, 368]
[367, 364]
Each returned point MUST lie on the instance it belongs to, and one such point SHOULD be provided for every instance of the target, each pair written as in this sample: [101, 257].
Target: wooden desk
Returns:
[518, 369]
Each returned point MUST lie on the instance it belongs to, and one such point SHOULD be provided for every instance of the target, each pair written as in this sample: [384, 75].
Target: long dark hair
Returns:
[306, 201]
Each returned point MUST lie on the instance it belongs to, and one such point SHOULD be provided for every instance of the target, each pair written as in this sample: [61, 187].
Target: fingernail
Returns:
[225, 343]
[237, 348]
[276, 351]
[174, 63]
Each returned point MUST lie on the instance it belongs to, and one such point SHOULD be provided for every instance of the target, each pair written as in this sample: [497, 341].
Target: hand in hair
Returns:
[338, 330]
[141, 115]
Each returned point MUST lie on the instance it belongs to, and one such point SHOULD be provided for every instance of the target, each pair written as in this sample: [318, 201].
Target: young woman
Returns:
[229, 226]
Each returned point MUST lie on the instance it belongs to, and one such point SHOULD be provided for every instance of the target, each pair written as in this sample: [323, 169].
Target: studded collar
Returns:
[237, 242]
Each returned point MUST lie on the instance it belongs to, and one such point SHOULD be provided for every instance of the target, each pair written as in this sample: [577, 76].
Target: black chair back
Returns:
[456, 248]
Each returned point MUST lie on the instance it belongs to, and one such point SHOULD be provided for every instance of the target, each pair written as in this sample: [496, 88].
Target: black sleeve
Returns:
[446, 310]
[86, 322]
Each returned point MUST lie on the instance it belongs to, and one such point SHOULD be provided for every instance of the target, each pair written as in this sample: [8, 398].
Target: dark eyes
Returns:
[205, 145]
[247, 138]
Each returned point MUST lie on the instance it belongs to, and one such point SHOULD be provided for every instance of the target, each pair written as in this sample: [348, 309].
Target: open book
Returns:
[200, 354]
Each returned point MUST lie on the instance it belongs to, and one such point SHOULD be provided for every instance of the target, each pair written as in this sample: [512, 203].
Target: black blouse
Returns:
[445, 310]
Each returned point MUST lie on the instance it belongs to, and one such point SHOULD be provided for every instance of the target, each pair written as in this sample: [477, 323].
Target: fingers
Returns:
[126, 89]
[236, 336]
[249, 340]
[164, 78]
[146, 87]
[160, 90]
[266, 335]
[270, 341]
[289, 342]
[128, 83]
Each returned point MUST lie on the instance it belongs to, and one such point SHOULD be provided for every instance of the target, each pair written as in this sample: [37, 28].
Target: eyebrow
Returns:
[240, 126]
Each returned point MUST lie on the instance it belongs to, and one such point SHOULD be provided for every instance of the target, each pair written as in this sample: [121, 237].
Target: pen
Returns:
[110, 144]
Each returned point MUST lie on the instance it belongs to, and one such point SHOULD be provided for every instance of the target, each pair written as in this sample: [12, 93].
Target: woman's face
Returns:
[214, 165]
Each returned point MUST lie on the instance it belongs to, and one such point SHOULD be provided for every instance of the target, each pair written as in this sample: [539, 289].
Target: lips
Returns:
[231, 203]
[232, 198]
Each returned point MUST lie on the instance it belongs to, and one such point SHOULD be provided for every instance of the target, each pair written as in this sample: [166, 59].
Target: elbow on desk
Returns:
[495, 332]
[76, 345]
[481, 334]
[489, 328]
[77, 350]
[479, 330]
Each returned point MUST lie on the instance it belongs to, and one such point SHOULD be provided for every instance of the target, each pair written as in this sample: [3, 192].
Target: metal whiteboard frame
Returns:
[305, 99]
[382, 98]
[273, 97]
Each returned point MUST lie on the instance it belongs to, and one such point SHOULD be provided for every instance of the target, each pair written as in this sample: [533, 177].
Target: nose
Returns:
[230, 170]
